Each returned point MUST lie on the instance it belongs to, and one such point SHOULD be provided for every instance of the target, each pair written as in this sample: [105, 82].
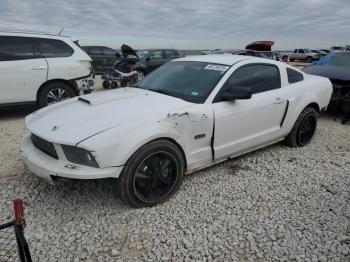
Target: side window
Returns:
[301, 51]
[169, 54]
[294, 76]
[15, 48]
[258, 77]
[109, 51]
[156, 55]
[95, 51]
[53, 48]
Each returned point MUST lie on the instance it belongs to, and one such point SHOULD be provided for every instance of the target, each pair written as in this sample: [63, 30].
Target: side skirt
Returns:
[218, 161]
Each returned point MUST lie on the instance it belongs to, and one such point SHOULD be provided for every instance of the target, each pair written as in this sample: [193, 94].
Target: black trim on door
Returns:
[285, 113]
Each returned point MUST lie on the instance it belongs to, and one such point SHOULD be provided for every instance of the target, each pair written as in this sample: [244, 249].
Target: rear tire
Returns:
[54, 93]
[152, 175]
[303, 129]
[309, 59]
[106, 84]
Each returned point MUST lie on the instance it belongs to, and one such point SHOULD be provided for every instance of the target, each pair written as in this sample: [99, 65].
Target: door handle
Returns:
[279, 100]
[38, 68]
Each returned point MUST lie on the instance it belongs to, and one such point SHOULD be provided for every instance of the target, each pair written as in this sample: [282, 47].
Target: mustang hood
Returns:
[329, 71]
[74, 120]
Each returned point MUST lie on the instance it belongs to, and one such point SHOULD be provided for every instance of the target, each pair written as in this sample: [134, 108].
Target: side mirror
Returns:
[236, 93]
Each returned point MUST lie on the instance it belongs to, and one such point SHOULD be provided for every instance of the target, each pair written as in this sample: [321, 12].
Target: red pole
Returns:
[19, 211]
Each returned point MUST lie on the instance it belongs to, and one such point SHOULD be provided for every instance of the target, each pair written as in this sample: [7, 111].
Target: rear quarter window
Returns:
[53, 48]
[294, 76]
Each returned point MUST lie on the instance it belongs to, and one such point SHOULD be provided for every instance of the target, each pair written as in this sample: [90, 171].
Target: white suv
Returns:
[42, 69]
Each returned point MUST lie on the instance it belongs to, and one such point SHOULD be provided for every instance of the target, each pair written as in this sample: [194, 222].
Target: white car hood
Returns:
[77, 119]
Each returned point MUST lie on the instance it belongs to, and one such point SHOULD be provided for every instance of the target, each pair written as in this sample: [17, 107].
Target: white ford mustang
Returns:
[190, 113]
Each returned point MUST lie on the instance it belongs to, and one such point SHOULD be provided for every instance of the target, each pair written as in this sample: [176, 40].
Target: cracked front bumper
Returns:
[48, 167]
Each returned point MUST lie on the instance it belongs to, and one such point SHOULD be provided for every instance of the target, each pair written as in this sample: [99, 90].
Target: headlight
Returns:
[79, 156]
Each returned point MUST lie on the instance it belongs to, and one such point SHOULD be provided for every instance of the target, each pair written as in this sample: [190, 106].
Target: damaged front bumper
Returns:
[341, 94]
[48, 167]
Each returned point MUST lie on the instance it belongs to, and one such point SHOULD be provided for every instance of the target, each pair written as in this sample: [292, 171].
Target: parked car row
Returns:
[258, 49]
[309, 56]
[105, 58]
[301, 54]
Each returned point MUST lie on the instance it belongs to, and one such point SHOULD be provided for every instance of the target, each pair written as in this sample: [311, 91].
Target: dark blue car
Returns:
[336, 67]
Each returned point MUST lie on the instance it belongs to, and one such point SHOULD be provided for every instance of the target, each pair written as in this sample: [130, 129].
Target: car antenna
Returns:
[59, 33]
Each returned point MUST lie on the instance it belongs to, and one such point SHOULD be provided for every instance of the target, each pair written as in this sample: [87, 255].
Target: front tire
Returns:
[152, 175]
[54, 93]
[303, 129]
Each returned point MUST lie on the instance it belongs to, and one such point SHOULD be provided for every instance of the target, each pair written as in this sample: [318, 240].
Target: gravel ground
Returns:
[275, 204]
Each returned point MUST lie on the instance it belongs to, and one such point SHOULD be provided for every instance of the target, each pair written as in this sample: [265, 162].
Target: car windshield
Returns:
[340, 60]
[187, 80]
[307, 51]
[142, 53]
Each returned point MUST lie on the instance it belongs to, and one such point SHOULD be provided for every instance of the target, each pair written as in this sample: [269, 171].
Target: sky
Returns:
[185, 24]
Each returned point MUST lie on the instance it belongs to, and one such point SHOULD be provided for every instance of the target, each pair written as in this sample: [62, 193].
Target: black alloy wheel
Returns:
[307, 129]
[155, 177]
[304, 128]
[152, 175]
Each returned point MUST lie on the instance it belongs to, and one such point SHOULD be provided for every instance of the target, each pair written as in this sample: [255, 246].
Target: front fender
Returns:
[115, 146]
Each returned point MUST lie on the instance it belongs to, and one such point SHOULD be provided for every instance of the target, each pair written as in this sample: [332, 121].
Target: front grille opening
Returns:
[44, 146]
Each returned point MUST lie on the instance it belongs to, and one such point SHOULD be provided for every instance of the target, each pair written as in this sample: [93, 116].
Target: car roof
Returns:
[94, 46]
[157, 49]
[226, 59]
[33, 34]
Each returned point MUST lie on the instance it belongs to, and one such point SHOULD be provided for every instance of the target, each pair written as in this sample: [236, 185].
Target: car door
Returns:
[155, 60]
[170, 55]
[243, 125]
[110, 56]
[98, 60]
[22, 70]
[301, 55]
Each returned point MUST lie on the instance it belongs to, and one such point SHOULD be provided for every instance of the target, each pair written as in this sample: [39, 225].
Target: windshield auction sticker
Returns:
[221, 68]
